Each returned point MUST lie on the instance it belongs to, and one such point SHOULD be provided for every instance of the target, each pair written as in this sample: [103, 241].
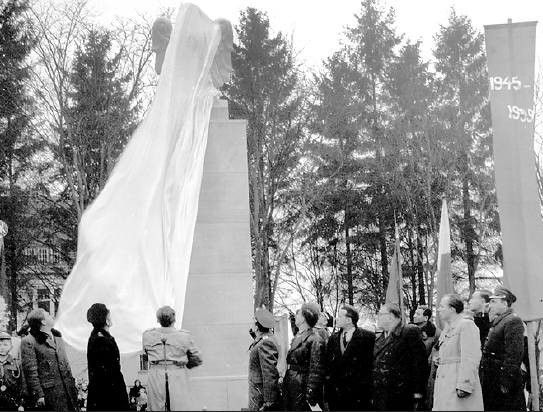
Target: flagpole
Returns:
[534, 372]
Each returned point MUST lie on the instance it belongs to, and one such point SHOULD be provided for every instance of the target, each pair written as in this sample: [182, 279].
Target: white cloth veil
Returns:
[135, 239]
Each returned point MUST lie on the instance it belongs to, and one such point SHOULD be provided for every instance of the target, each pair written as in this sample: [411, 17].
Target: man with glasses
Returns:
[399, 360]
[349, 362]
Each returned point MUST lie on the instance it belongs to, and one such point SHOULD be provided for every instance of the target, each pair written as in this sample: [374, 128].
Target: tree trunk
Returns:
[350, 291]
[420, 269]
[468, 230]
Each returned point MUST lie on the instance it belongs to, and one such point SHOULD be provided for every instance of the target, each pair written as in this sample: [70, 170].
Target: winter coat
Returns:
[398, 368]
[11, 378]
[459, 357]
[303, 380]
[348, 378]
[263, 374]
[500, 365]
[47, 371]
[181, 355]
[106, 390]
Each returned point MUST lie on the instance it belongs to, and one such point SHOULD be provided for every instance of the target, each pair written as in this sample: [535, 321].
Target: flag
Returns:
[395, 283]
[444, 282]
[510, 50]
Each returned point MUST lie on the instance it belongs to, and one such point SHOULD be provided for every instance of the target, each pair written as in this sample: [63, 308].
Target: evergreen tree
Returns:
[465, 119]
[265, 91]
[100, 116]
[17, 145]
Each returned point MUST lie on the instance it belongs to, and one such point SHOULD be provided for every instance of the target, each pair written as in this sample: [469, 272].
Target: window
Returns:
[56, 257]
[44, 301]
[42, 255]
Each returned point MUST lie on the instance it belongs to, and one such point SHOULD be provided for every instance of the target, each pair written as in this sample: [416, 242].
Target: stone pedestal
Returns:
[218, 304]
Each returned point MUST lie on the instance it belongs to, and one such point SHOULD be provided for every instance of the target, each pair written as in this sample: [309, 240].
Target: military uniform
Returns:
[263, 374]
[178, 354]
[11, 384]
[501, 364]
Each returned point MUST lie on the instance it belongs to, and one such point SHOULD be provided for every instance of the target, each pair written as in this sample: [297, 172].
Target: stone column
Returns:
[218, 304]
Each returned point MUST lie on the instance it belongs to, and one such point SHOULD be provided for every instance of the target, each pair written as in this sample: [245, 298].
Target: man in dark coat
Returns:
[501, 376]
[302, 385]
[263, 356]
[49, 379]
[107, 390]
[349, 363]
[478, 305]
[399, 363]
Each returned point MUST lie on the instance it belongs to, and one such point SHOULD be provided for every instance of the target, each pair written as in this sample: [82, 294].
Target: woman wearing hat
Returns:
[263, 357]
[106, 390]
[302, 385]
[501, 375]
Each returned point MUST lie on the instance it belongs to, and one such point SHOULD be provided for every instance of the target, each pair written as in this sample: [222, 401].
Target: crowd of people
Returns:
[477, 362]
[40, 378]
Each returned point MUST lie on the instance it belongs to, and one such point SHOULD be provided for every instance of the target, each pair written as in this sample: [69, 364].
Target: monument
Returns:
[171, 226]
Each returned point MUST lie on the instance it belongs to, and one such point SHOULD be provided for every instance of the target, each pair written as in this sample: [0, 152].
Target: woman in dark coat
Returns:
[303, 382]
[107, 390]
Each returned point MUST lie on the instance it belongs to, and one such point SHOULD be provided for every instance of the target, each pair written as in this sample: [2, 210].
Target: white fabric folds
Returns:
[135, 239]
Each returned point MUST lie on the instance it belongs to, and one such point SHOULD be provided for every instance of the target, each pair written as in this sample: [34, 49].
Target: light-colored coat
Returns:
[459, 357]
[180, 348]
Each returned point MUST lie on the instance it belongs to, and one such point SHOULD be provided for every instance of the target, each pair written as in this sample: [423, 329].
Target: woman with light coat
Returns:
[457, 385]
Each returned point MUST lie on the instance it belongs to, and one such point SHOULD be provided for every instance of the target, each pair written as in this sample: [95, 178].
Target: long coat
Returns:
[398, 369]
[263, 374]
[106, 390]
[181, 354]
[47, 371]
[459, 357]
[303, 380]
[500, 366]
[348, 378]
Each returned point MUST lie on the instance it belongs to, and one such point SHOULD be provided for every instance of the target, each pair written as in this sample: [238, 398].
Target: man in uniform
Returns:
[501, 375]
[263, 356]
[11, 379]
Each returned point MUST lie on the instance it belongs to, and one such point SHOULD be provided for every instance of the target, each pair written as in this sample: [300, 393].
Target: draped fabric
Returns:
[135, 239]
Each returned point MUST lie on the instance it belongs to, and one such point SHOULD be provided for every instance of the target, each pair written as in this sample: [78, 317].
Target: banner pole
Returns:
[534, 372]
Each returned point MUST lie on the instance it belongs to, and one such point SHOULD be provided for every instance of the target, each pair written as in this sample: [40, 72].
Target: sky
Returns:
[316, 26]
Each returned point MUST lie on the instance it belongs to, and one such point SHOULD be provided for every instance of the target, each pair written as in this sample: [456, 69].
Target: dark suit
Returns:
[500, 366]
[303, 380]
[263, 374]
[398, 369]
[483, 323]
[47, 371]
[348, 381]
[107, 390]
